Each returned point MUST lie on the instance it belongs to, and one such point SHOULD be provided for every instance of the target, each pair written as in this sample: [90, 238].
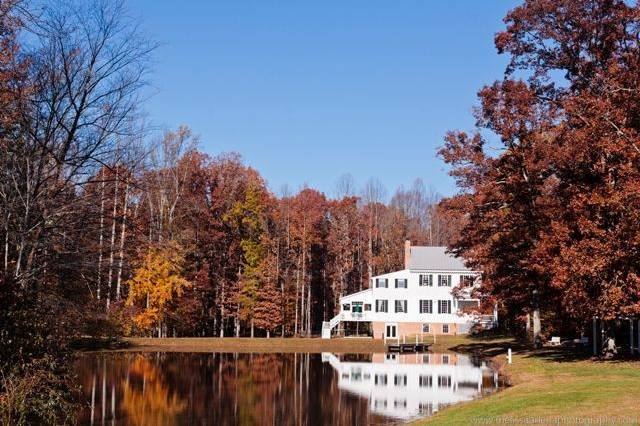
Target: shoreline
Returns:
[450, 343]
[250, 345]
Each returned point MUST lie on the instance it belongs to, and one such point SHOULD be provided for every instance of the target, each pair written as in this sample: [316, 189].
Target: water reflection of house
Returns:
[405, 386]
[432, 295]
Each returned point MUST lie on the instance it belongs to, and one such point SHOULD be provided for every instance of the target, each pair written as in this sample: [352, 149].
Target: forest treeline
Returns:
[193, 245]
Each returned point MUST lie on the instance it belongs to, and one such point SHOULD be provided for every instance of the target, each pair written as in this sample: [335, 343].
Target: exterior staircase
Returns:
[327, 326]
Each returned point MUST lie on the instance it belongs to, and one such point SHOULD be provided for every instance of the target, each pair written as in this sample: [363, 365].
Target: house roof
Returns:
[436, 258]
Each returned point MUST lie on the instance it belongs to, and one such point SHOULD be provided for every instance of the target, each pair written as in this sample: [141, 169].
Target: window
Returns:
[445, 359]
[444, 381]
[401, 283]
[444, 280]
[380, 403]
[346, 307]
[382, 306]
[467, 280]
[382, 282]
[426, 328]
[468, 305]
[367, 306]
[380, 380]
[426, 280]
[425, 408]
[426, 358]
[445, 328]
[401, 306]
[357, 307]
[399, 403]
[400, 380]
[444, 306]
[426, 306]
[425, 381]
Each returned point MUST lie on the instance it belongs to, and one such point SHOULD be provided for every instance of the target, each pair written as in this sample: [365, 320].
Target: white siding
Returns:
[412, 294]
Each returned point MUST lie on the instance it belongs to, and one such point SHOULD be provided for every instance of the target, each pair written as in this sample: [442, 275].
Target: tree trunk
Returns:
[6, 244]
[252, 328]
[113, 239]
[370, 252]
[308, 309]
[537, 326]
[101, 238]
[122, 237]
[295, 323]
[304, 279]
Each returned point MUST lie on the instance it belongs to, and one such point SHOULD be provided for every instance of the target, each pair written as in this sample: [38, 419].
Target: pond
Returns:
[279, 389]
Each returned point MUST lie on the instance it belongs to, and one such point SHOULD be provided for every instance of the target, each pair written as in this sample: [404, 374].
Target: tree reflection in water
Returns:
[246, 389]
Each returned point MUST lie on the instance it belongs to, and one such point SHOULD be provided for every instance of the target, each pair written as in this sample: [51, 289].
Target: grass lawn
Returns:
[547, 387]
[255, 345]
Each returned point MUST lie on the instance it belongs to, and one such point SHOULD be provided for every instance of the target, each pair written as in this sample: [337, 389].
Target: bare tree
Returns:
[165, 183]
[89, 64]
[373, 195]
[345, 186]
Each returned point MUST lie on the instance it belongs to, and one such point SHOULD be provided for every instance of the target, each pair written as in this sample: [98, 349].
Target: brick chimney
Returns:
[407, 254]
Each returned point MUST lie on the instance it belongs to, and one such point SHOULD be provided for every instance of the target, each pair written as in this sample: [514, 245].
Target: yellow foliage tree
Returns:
[156, 282]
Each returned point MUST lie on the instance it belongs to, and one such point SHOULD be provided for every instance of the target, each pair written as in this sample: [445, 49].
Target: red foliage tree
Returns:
[553, 218]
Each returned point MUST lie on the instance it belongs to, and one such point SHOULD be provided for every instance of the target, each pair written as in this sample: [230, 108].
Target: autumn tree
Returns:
[345, 248]
[594, 156]
[156, 282]
[308, 230]
[552, 218]
[249, 216]
[268, 313]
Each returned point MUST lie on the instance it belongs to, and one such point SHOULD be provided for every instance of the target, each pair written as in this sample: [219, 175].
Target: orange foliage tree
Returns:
[156, 282]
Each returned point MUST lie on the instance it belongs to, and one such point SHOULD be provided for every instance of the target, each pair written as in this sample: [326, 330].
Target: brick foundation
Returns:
[412, 328]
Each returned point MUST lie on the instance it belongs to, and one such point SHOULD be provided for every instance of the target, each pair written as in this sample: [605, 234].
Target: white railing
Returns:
[327, 326]
[335, 320]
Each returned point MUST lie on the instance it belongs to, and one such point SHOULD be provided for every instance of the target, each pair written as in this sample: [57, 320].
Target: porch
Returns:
[344, 318]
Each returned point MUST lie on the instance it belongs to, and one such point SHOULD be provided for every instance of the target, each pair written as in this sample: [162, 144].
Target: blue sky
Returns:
[308, 90]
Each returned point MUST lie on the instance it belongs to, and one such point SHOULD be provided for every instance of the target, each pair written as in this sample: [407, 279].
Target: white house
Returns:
[406, 386]
[432, 295]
